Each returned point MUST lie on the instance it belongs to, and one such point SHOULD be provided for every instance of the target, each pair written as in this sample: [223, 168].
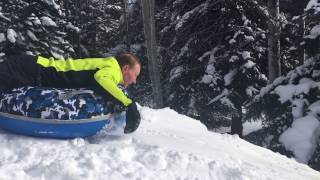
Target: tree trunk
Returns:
[78, 35]
[149, 31]
[236, 124]
[302, 53]
[126, 25]
[274, 41]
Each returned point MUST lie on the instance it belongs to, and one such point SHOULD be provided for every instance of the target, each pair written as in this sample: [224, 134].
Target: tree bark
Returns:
[302, 53]
[78, 35]
[274, 64]
[126, 25]
[236, 124]
[149, 31]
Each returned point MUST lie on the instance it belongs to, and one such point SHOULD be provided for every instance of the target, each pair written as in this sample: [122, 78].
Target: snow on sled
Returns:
[57, 113]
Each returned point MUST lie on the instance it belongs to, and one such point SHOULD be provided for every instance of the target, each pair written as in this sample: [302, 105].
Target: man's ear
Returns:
[125, 68]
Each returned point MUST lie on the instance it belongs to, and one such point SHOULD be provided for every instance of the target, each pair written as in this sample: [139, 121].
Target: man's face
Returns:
[130, 74]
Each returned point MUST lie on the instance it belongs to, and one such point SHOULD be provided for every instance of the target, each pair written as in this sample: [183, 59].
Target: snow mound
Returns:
[301, 138]
[166, 146]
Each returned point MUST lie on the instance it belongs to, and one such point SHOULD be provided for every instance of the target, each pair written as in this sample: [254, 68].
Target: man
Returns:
[101, 74]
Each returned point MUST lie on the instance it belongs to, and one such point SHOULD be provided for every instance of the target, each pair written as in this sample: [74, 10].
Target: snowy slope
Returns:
[166, 146]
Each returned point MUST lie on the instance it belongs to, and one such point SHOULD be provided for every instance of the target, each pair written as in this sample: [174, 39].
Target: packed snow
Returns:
[252, 126]
[2, 37]
[246, 55]
[302, 137]
[287, 92]
[47, 21]
[3, 17]
[166, 146]
[313, 4]
[176, 72]
[35, 20]
[11, 35]
[315, 32]
[188, 15]
[228, 78]
[249, 64]
[32, 35]
[71, 26]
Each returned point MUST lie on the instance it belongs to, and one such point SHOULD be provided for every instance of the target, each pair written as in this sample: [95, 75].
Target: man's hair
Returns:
[128, 59]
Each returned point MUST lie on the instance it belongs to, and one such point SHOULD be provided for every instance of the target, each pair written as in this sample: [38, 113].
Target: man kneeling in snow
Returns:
[101, 74]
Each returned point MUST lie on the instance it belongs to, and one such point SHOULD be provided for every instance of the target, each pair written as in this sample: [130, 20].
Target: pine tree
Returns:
[291, 97]
[213, 51]
[99, 24]
[36, 27]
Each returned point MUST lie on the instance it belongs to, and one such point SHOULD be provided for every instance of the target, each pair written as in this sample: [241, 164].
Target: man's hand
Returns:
[133, 118]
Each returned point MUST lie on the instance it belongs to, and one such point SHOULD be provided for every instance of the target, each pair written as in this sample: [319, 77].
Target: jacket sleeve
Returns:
[107, 78]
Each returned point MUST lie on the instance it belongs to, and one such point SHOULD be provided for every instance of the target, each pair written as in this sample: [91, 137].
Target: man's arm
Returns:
[106, 78]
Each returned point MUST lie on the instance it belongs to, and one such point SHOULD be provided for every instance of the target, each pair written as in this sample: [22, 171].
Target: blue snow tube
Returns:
[55, 113]
[52, 128]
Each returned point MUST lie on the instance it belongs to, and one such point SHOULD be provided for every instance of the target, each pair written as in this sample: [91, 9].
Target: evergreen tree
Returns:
[213, 52]
[98, 22]
[36, 27]
[292, 98]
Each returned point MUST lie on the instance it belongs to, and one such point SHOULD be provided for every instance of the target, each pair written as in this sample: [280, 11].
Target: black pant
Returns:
[18, 71]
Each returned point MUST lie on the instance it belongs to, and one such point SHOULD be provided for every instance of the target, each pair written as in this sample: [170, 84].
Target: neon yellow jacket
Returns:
[80, 73]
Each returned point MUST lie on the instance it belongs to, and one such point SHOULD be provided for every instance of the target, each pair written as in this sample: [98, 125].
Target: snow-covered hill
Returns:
[166, 146]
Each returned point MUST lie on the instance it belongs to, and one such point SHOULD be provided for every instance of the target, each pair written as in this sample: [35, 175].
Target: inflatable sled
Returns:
[57, 113]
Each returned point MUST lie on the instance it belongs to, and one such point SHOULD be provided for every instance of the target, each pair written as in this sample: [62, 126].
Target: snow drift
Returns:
[166, 146]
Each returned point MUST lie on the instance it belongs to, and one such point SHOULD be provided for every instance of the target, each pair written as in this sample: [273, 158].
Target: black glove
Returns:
[133, 118]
